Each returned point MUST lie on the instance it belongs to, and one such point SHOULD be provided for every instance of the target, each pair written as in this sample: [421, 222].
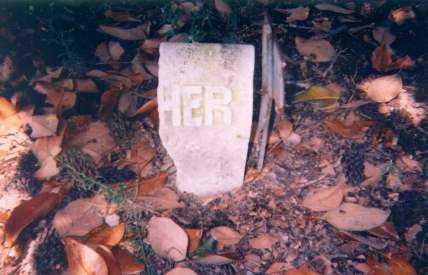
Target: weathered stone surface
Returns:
[205, 97]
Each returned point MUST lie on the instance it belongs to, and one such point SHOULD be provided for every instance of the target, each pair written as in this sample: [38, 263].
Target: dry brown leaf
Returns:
[109, 100]
[127, 262]
[115, 50]
[213, 260]
[381, 58]
[354, 131]
[382, 89]
[95, 140]
[137, 33]
[297, 14]
[43, 125]
[181, 271]
[140, 154]
[7, 109]
[167, 238]
[105, 235]
[151, 44]
[386, 231]
[107, 255]
[402, 63]
[6, 69]
[81, 216]
[303, 270]
[383, 36]
[285, 128]
[263, 241]
[401, 15]
[83, 260]
[162, 199]
[147, 107]
[120, 16]
[354, 217]
[399, 266]
[195, 236]
[225, 235]
[324, 199]
[46, 150]
[222, 7]
[27, 212]
[316, 50]
[102, 52]
[332, 8]
[278, 268]
[373, 174]
[150, 185]
[85, 86]
[59, 97]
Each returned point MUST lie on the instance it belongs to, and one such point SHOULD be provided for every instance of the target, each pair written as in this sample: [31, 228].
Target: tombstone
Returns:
[205, 98]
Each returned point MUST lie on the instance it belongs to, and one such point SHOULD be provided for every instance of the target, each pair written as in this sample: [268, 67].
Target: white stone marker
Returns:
[205, 98]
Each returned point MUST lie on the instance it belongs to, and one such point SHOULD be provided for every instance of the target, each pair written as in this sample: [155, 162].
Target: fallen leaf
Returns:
[213, 260]
[386, 231]
[7, 109]
[401, 15]
[167, 238]
[27, 212]
[181, 271]
[147, 107]
[324, 199]
[354, 131]
[83, 260]
[382, 89]
[107, 255]
[278, 268]
[354, 217]
[109, 100]
[95, 140]
[162, 199]
[383, 36]
[81, 216]
[297, 14]
[140, 154]
[105, 235]
[316, 50]
[372, 173]
[43, 125]
[317, 93]
[285, 128]
[150, 185]
[152, 44]
[127, 262]
[322, 24]
[85, 86]
[303, 270]
[263, 241]
[225, 235]
[222, 7]
[6, 69]
[102, 52]
[59, 97]
[332, 8]
[120, 16]
[115, 50]
[195, 236]
[399, 266]
[381, 58]
[402, 63]
[137, 33]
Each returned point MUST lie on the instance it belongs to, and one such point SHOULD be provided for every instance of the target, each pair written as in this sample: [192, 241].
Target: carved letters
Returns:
[195, 105]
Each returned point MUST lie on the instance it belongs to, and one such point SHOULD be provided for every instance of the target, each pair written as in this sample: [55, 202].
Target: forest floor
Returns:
[86, 186]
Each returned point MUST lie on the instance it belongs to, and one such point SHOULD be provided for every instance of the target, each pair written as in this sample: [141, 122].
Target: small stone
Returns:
[112, 219]
[205, 98]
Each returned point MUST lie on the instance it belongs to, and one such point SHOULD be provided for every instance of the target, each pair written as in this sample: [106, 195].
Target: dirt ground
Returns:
[92, 68]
